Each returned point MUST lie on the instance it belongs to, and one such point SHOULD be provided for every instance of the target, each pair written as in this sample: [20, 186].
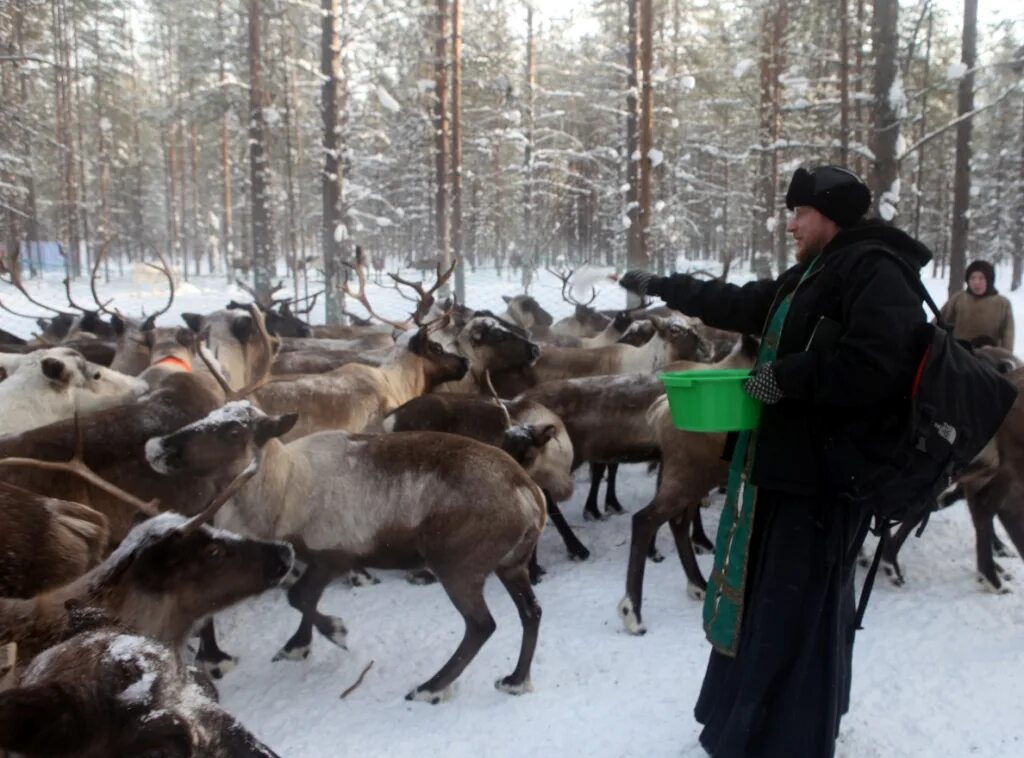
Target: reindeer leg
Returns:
[696, 585]
[517, 583]
[652, 550]
[890, 555]
[467, 593]
[304, 596]
[210, 658]
[611, 500]
[1000, 548]
[702, 544]
[590, 511]
[984, 527]
[535, 569]
[645, 525]
[577, 550]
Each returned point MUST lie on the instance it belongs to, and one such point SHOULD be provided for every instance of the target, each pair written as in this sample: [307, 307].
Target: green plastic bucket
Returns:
[711, 400]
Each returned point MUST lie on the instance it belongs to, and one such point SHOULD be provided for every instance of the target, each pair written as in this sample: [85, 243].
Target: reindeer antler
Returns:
[14, 272]
[226, 494]
[79, 468]
[100, 255]
[426, 297]
[71, 300]
[504, 410]
[166, 271]
[270, 346]
[360, 295]
[294, 301]
[564, 278]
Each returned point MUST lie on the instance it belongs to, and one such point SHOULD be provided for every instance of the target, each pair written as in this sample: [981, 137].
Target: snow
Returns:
[956, 71]
[741, 68]
[387, 101]
[937, 668]
[656, 157]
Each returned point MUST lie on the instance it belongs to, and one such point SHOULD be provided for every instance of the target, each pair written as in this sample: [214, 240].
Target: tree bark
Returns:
[262, 256]
[334, 226]
[460, 272]
[962, 170]
[646, 167]
[441, 137]
[1018, 228]
[919, 183]
[844, 82]
[635, 257]
[885, 41]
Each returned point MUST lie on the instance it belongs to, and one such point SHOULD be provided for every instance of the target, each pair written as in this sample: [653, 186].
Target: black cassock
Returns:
[789, 684]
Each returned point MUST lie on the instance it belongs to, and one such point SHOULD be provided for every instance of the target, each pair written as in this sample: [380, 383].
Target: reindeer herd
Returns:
[152, 475]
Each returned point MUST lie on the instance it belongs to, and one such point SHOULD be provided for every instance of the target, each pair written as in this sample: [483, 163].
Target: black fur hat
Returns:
[836, 192]
[986, 268]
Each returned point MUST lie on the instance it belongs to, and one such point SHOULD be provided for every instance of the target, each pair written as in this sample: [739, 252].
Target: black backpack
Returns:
[956, 405]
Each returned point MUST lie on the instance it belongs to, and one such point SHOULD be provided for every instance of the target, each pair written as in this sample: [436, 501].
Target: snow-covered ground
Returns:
[938, 668]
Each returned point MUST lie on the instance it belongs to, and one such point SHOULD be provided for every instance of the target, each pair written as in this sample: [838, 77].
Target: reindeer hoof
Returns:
[536, 572]
[613, 509]
[656, 556]
[592, 516]
[361, 578]
[429, 696]
[219, 668]
[694, 592]
[505, 685]
[292, 654]
[893, 572]
[629, 618]
[995, 589]
[702, 548]
[579, 554]
[421, 578]
[335, 631]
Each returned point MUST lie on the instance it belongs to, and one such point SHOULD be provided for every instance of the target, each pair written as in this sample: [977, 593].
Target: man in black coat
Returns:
[841, 331]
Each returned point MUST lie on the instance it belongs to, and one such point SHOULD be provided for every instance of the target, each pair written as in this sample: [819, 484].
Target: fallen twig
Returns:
[359, 681]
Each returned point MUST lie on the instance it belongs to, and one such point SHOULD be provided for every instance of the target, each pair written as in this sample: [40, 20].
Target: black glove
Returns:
[640, 283]
[763, 386]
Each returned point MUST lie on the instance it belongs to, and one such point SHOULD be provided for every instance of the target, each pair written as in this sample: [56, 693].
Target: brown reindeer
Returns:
[166, 575]
[531, 434]
[674, 341]
[407, 500]
[106, 692]
[354, 396]
[46, 542]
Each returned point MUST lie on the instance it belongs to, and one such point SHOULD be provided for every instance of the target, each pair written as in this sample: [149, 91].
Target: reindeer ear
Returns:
[185, 338]
[53, 369]
[274, 426]
[149, 324]
[194, 321]
[542, 435]
[3, 373]
[507, 299]
[117, 324]
[43, 719]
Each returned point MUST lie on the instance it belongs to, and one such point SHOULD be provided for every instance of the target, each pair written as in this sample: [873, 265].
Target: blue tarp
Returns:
[44, 256]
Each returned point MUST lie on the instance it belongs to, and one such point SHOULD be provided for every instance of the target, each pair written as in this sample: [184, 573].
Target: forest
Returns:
[262, 139]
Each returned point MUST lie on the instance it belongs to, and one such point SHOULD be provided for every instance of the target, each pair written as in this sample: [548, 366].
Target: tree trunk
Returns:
[646, 167]
[528, 237]
[441, 137]
[262, 255]
[1018, 228]
[919, 183]
[765, 221]
[844, 82]
[885, 177]
[460, 272]
[635, 257]
[334, 228]
[227, 246]
[962, 171]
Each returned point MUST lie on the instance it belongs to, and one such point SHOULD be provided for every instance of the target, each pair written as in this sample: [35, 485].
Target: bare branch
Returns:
[359, 681]
[207, 514]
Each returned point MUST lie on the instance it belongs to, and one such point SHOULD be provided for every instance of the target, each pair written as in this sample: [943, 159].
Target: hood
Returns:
[911, 250]
[990, 277]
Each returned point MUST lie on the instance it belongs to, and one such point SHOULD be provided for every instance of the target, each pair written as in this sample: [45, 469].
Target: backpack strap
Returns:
[869, 580]
[915, 281]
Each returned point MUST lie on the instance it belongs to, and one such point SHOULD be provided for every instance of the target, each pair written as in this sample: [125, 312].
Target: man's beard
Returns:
[808, 251]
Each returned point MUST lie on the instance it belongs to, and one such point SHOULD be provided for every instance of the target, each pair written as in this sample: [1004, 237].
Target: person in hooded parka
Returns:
[978, 313]
[840, 335]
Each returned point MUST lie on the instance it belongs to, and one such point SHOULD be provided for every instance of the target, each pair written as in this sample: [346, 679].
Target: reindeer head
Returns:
[171, 572]
[280, 322]
[681, 341]
[593, 321]
[233, 338]
[495, 345]
[528, 313]
[638, 333]
[223, 442]
[441, 366]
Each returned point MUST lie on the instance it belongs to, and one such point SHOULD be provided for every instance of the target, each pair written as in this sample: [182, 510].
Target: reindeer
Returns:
[105, 692]
[526, 313]
[674, 341]
[534, 436]
[406, 500]
[46, 542]
[49, 385]
[586, 322]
